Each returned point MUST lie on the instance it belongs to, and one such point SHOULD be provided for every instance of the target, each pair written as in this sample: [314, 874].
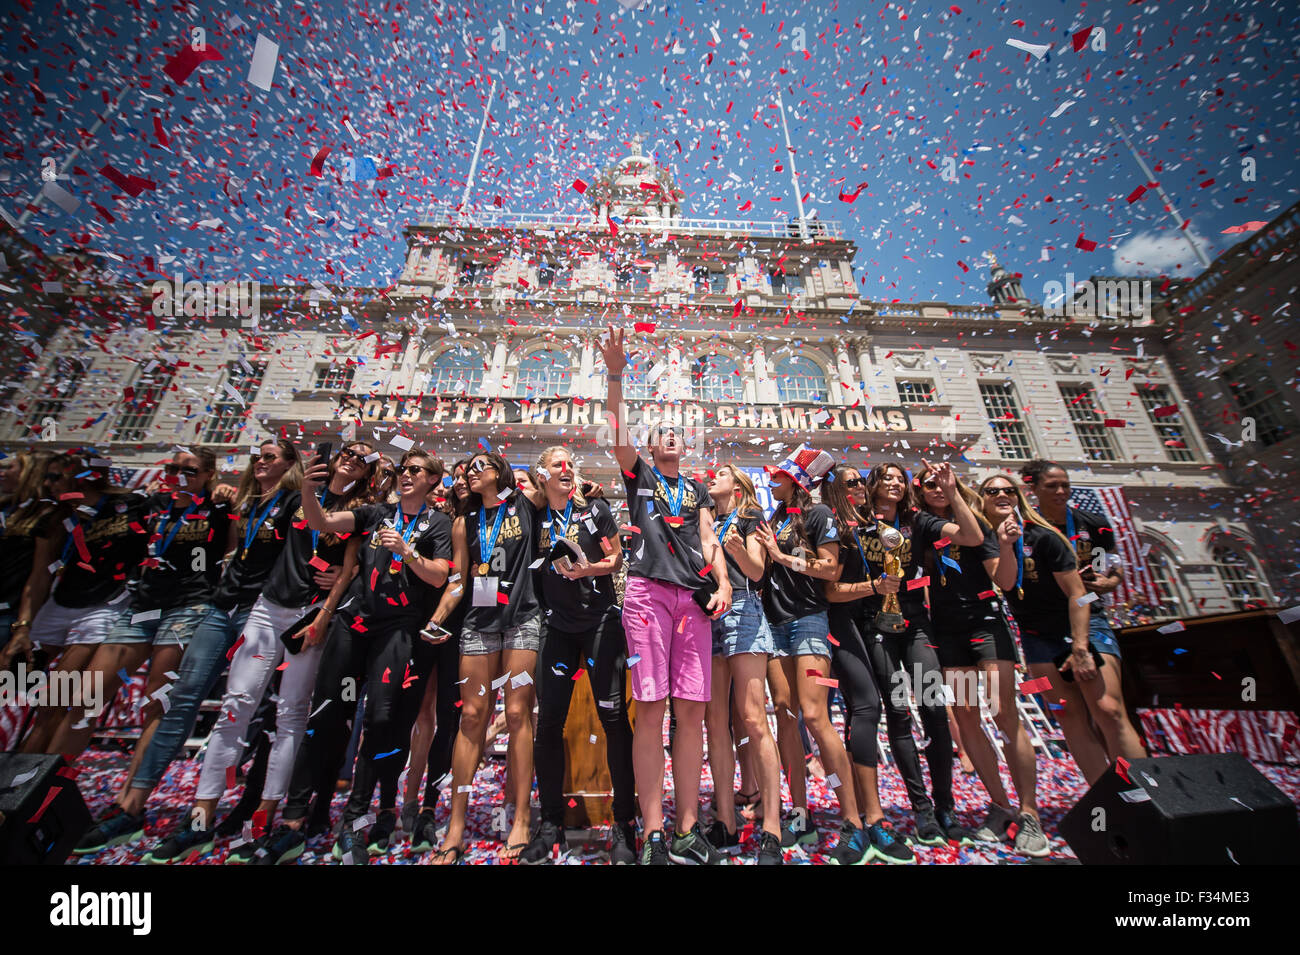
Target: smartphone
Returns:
[324, 450]
[434, 633]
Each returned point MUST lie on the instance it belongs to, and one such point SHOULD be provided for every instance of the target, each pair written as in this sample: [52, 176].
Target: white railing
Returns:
[441, 214]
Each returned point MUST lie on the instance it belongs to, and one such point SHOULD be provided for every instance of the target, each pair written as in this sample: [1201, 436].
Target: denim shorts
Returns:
[804, 637]
[744, 629]
[174, 627]
[1101, 636]
[525, 636]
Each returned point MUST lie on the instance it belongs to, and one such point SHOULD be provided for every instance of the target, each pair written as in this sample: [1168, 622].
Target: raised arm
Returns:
[611, 349]
[336, 522]
[964, 529]
[1002, 570]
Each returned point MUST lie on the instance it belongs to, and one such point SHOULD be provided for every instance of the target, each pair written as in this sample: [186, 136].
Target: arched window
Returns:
[1168, 584]
[716, 378]
[800, 379]
[1241, 577]
[545, 374]
[456, 371]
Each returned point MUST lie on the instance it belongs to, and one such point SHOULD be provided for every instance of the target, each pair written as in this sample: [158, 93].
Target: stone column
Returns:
[494, 383]
[677, 386]
[847, 393]
[765, 390]
[584, 383]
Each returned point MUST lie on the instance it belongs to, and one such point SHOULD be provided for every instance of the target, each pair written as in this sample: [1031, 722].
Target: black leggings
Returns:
[446, 661]
[858, 687]
[602, 651]
[912, 649]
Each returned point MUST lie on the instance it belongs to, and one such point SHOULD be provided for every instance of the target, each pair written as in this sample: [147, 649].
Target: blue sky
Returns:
[882, 91]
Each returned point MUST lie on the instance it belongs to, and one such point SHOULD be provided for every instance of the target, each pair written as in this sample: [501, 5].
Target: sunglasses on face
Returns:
[855, 482]
[270, 457]
[388, 472]
[175, 469]
[53, 476]
[354, 455]
[930, 485]
[999, 492]
[481, 466]
[414, 469]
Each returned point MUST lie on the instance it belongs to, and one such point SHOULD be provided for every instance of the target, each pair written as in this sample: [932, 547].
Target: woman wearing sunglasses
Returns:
[188, 534]
[1047, 598]
[972, 637]
[845, 492]
[73, 595]
[403, 562]
[434, 735]
[385, 480]
[583, 631]
[907, 644]
[495, 544]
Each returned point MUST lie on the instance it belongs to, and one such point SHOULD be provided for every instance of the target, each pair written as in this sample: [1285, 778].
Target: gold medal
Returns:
[484, 570]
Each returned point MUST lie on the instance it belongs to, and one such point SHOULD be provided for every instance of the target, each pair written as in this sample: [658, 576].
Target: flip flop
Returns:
[447, 851]
[516, 847]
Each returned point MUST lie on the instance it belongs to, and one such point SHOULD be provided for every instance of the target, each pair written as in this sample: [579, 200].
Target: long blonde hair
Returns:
[290, 480]
[972, 499]
[544, 462]
[748, 505]
[1030, 515]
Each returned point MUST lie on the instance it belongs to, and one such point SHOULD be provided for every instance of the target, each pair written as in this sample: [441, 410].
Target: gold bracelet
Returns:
[20, 623]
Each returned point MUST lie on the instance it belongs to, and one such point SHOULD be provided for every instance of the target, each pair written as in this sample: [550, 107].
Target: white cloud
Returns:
[1153, 253]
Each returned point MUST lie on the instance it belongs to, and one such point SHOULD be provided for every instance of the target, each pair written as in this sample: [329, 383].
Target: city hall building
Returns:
[750, 336]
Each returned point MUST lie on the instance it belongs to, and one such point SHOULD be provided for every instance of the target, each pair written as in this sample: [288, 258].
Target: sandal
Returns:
[751, 809]
[516, 847]
[441, 853]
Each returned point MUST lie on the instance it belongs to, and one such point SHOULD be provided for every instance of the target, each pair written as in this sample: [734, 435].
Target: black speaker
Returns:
[1215, 809]
[42, 814]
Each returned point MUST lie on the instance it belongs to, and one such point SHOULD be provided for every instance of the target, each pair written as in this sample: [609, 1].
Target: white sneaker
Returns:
[1030, 840]
[996, 824]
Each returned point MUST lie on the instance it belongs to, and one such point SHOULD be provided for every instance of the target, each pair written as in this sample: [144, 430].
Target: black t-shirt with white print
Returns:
[252, 562]
[955, 594]
[667, 548]
[117, 538]
[745, 527]
[292, 580]
[919, 535]
[789, 594]
[574, 606]
[18, 547]
[1091, 532]
[187, 571]
[509, 562]
[1044, 609]
[401, 598]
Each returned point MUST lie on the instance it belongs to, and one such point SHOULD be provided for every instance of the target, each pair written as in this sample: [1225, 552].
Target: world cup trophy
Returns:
[889, 619]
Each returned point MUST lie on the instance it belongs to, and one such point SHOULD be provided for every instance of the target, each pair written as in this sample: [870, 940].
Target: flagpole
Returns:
[478, 146]
[1169, 205]
[794, 175]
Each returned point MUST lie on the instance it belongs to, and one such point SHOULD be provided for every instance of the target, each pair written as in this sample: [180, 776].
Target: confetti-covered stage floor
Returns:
[1059, 787]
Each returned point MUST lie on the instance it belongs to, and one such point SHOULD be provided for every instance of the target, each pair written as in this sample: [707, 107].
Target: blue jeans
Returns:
[204, 659]
[1101, 636]
[805, 636]
[743, 629]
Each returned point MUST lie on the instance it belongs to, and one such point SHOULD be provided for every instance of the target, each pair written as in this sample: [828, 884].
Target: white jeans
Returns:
[58, 626]
[251, 671]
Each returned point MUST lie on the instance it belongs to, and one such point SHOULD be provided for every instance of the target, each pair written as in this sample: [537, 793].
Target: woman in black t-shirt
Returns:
[494, 546]
[1047, 599]
[26, 502]
[973, 637]
[188, 536]
[911, 649]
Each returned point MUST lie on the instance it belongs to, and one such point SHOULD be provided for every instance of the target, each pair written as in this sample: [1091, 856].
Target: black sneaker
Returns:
[381, 833]
[693, 848]
[769, 850]
[955, 830]
[728, 843]
[795, 830]
[245, 853]
[183, 845]
[928, 830]
[425, 834]
[280, 847]
[233, 824]
[886, 846]
[541, 850]
[115, 828]
[346, 847]
[653, 850]
[622, 842]
[852, 846]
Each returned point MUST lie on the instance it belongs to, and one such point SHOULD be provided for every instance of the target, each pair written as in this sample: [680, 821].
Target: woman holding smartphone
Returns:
[1046, 594]
[495, 543]
[803, 549]
[578, 544]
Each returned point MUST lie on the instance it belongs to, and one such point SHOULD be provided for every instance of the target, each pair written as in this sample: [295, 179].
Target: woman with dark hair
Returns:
[495, 543]
[903, 641]
[845, 493]
[1101, 571]
[25, 516]
[583, 631]
[972, 637]
[189, 533]
[803, 553]
[77, 577]
[434, 735]
[403, 563]
[1049, 603]
[384, 480]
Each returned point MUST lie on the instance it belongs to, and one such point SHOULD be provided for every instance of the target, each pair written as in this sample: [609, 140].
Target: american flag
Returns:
[1137, 584]
[132, 478]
